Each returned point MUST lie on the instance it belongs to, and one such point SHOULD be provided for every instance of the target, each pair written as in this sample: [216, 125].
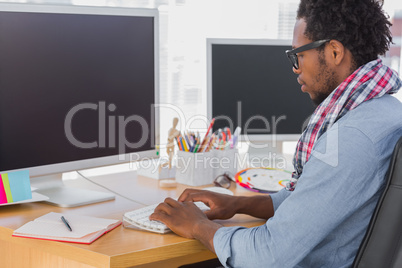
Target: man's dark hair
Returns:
[360, 25]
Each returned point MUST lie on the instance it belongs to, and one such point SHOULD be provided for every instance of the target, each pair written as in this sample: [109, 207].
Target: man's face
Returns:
[315, 76]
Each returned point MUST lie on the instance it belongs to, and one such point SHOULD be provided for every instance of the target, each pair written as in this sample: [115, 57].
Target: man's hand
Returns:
[226, 206]
[222, 206]
[187, 220]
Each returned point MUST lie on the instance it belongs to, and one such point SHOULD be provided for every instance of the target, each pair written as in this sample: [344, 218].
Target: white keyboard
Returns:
[139, 218]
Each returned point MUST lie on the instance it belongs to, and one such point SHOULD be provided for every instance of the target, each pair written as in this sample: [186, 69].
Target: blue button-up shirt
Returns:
[323, 221]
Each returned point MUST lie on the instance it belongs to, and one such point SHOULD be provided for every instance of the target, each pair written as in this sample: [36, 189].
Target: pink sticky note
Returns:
[3, 196]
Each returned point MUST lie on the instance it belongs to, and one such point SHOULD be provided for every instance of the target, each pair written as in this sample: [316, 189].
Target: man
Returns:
[340, 160]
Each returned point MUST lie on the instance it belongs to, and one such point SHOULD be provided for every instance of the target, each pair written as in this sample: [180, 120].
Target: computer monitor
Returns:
[251, 85]
[78, 88]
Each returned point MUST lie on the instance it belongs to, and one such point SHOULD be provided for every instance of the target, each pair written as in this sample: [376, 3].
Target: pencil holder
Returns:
[197, 169]
[227, 162]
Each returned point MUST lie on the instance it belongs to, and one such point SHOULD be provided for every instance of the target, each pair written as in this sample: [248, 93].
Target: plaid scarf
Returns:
[371, 80]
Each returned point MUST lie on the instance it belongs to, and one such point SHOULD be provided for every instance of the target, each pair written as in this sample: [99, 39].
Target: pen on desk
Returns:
[66, 223]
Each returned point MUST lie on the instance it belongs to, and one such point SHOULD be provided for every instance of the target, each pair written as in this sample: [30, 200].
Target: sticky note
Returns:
[15, 186]
[7, 189]
[3, 197]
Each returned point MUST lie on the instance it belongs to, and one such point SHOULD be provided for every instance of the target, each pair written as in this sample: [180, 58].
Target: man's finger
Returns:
[211, 214]
[171, 202]
[163, 207]
[159, 216]
[186, 195]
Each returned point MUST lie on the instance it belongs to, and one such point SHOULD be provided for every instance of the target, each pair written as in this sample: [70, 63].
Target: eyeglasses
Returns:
[224, 180]
[292, 54]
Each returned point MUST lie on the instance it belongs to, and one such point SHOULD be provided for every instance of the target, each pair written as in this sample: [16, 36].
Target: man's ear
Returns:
[337, 51]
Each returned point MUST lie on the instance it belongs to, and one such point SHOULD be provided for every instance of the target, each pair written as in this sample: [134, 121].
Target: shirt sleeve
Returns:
[326, 194]
[279, 197]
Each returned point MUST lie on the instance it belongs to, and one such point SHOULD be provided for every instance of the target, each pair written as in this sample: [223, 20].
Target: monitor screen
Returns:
[251, 85]
[75, 85]
[78, 88]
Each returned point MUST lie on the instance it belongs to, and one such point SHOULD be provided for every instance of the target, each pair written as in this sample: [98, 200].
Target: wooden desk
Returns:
[121, 247]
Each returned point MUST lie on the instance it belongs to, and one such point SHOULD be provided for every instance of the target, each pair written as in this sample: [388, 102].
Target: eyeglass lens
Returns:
[223, 181]
[294, 60]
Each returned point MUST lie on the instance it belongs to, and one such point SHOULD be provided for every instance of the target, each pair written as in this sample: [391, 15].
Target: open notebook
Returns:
[85, 229]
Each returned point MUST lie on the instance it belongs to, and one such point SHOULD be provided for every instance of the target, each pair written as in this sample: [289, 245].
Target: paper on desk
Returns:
[52, 225]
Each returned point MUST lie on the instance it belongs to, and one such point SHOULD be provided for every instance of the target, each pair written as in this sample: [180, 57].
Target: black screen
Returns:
[257, 83]
[97, 69]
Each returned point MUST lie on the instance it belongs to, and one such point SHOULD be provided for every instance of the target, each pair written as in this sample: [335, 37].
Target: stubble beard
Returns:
[327, 79]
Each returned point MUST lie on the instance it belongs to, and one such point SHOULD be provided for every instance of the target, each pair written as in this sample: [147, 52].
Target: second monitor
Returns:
[251, 84]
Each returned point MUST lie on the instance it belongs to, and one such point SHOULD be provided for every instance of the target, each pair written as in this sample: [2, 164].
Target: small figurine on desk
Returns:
[172, 134]
[165, 171]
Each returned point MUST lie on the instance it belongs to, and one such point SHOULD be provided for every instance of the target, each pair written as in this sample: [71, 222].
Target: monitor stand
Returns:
[61, 195]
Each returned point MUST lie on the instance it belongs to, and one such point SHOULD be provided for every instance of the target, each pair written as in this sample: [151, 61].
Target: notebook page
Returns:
[76, 220]
[52, 225]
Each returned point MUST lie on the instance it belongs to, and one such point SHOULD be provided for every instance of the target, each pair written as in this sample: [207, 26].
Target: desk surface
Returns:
[121, 247]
